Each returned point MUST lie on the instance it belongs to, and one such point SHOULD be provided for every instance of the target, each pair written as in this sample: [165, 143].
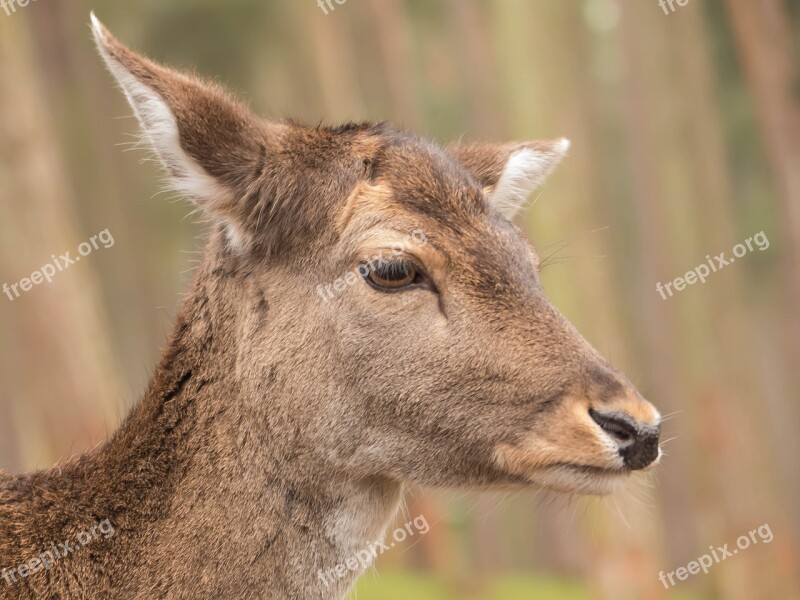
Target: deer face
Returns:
[408, 329]
[460, 368]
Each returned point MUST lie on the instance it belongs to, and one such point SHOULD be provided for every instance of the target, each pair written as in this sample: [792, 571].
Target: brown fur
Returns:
[279, 430]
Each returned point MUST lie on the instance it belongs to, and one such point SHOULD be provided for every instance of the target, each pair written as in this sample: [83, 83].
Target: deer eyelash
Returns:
[394, 268]
[395, 275]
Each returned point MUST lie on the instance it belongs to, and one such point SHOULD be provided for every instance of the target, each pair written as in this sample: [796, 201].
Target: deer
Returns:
[280, 430]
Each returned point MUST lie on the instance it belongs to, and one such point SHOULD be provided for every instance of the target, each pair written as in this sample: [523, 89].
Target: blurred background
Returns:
[685, 127]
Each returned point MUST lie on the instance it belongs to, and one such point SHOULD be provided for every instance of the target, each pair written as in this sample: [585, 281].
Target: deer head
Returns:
[442, 362]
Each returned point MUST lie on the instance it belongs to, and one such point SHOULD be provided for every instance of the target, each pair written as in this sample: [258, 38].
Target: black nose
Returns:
[638, 443]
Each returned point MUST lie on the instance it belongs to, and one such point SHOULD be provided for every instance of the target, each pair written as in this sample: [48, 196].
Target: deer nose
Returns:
[638, 442]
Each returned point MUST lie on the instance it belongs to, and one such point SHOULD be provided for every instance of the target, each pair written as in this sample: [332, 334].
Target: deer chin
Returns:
[579, 479]
[605, 476]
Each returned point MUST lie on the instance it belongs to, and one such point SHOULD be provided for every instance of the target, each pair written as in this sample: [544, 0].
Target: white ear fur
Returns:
[159, 127]
[160, 131]
[525, 170]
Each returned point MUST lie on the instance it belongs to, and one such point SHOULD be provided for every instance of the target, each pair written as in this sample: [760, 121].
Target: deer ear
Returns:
[510, 172]
[212, 147]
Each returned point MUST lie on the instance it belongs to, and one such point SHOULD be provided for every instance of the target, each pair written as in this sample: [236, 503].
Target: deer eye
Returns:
[392, 275]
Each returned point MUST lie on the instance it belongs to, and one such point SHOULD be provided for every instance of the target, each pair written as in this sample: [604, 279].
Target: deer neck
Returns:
[213, 490]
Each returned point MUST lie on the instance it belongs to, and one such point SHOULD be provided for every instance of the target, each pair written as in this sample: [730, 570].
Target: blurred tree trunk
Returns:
[655, 323]
[726, 381]
[391, 22]
[764, 42]
[475, 57]
[335, 59]
[59, 380]
[78, 80]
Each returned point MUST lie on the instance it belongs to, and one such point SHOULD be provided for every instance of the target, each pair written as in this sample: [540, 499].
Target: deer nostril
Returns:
[618, 426]
[638, 443]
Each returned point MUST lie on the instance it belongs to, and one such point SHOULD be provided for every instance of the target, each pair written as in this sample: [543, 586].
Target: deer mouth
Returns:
[601, 471]
[581, 479]
[572, 477]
